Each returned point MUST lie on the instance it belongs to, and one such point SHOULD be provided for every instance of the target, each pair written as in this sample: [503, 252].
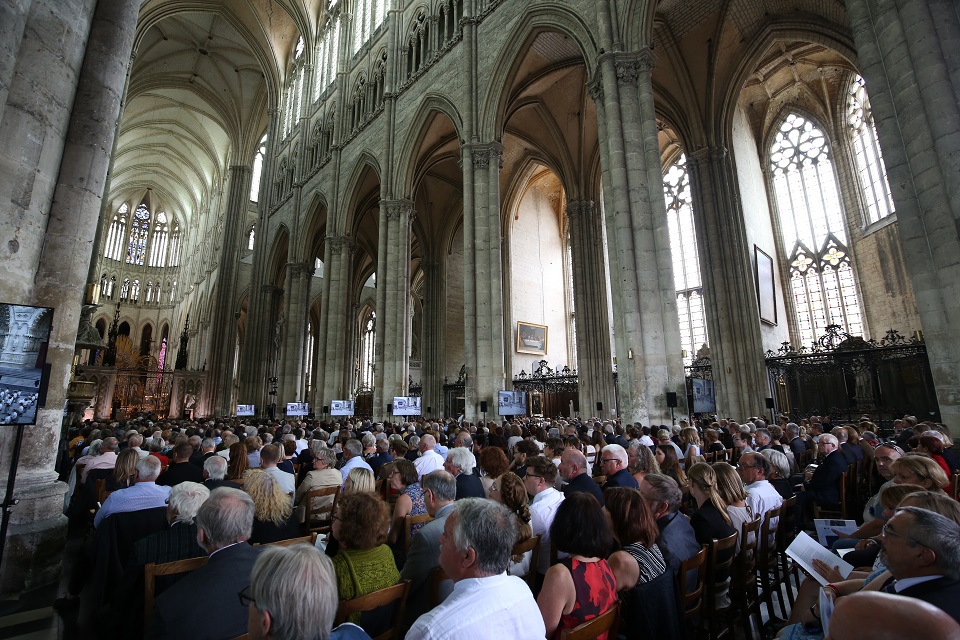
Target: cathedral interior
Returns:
[263, 202]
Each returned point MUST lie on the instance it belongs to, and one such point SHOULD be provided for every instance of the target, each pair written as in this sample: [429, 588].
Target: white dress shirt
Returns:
[498, 606]
[542, 511]
[286, 480]
[353, 463]
[428, 462]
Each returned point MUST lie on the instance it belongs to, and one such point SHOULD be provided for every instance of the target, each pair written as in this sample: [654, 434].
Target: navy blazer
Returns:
[469, 486]
[622, 478]
[824, 486]
[678, 542]
[583, 483]
[217, 615]
[943, 593]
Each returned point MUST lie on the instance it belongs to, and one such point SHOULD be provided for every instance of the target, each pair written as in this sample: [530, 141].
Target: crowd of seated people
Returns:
[619, 509]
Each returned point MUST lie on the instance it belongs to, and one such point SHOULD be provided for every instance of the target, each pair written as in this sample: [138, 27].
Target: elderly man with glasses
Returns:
[613, 463]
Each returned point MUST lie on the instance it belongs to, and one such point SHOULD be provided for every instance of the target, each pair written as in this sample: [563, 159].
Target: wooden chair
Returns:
[310, 539]
[607, 622]
[744, 600]
[102, 492]
[690, 596]
[408, 524]
[836, 511]
[395, 595]
[768, 565]
[719, 567]
[788, 568]
[533, 544]
[600, 480]
[437, 576]
[152, 571]
[319, 518]
[955, 484]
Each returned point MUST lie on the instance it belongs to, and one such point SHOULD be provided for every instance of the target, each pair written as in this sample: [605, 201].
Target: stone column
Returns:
[912, 73]
[223, 336]
[295, 332]
[393, 367]
[594, 360]
[433, 319]
[13, 21]
[736, 347]
[647, 330]
[483, 278]
[60, 107]
[339, 271]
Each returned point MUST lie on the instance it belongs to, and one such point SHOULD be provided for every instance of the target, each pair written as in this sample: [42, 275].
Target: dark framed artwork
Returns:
[766, 287]
[532, 338]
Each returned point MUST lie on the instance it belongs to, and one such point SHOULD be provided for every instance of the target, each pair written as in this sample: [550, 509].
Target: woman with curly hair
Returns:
[513, 495]
[238, 464]
[494, 463]
[641, 461]
[364, 564]
[273, 517]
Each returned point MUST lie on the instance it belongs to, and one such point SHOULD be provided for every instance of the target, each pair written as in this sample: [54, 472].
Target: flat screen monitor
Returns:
[704, 398]
[246, 410]
[298, 408]
[406, 406]
[342, 407]
[24, 372]
[512, 403]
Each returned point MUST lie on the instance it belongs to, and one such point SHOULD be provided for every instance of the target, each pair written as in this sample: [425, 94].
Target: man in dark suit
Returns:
[823, 485]
[460, 463]
[613, 462]
[921, 549]
[678, 541]
[214, 472]
[573, 469]
[207, 448]
[797, 445]
[439, 492]
[852, 452]
[181, 470]
[224, 523]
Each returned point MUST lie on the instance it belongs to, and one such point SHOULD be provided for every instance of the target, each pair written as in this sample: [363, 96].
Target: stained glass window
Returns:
[139, 230]
[686, 259]
[160, 241]
[116, 234]
[258, 169]
[814, 235]
[367, 361]
[871, 172]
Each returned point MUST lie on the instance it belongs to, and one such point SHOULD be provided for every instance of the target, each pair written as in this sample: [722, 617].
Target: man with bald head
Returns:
[429, 460]
[573, 469]
[884, 616]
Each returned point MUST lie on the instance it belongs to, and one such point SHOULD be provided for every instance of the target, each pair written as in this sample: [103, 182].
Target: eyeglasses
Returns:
[603, 460]
[888, 532]
[531, 475]
[245, 599]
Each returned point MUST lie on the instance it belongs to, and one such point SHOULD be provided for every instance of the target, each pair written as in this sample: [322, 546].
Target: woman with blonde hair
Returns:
[273, 517]
[513, 495]
[642, 461]
[711, 519]
[920, 469]
[359, 480]
[690, 442]
[731, 491]
[123, 472]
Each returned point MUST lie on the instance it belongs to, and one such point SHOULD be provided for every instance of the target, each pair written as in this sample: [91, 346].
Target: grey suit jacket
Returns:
[423, 558]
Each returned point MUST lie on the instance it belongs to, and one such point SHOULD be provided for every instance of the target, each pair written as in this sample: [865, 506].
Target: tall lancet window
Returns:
[686, 259]
[815, 241]
[159, 241]
[367, 361]
[139, 229]
[871, 172]
[116, 234]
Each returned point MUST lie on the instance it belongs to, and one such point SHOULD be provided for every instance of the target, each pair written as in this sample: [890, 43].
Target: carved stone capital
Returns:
[339, 244]
[401, 210]
[577, 208]
[484, 155]
[707, 155]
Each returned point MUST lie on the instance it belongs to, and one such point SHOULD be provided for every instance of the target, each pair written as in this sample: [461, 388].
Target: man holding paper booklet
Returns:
[921, 553]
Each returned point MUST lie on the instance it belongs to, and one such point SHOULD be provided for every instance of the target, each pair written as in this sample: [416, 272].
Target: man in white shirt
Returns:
[429, 460]
[485, 603]
[353, 458]
[540, 481]
[269, 457]
[754, 469]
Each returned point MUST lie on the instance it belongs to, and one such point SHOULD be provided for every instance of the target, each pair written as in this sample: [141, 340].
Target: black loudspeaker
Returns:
[429, 410]
[599, 406]
[769, 403]
[671, 399]
[389, 408]
[325, 408]
[483, 406]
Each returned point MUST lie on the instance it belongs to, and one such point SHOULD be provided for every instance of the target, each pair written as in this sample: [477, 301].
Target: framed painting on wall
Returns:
[766, 288]
[531, 338]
